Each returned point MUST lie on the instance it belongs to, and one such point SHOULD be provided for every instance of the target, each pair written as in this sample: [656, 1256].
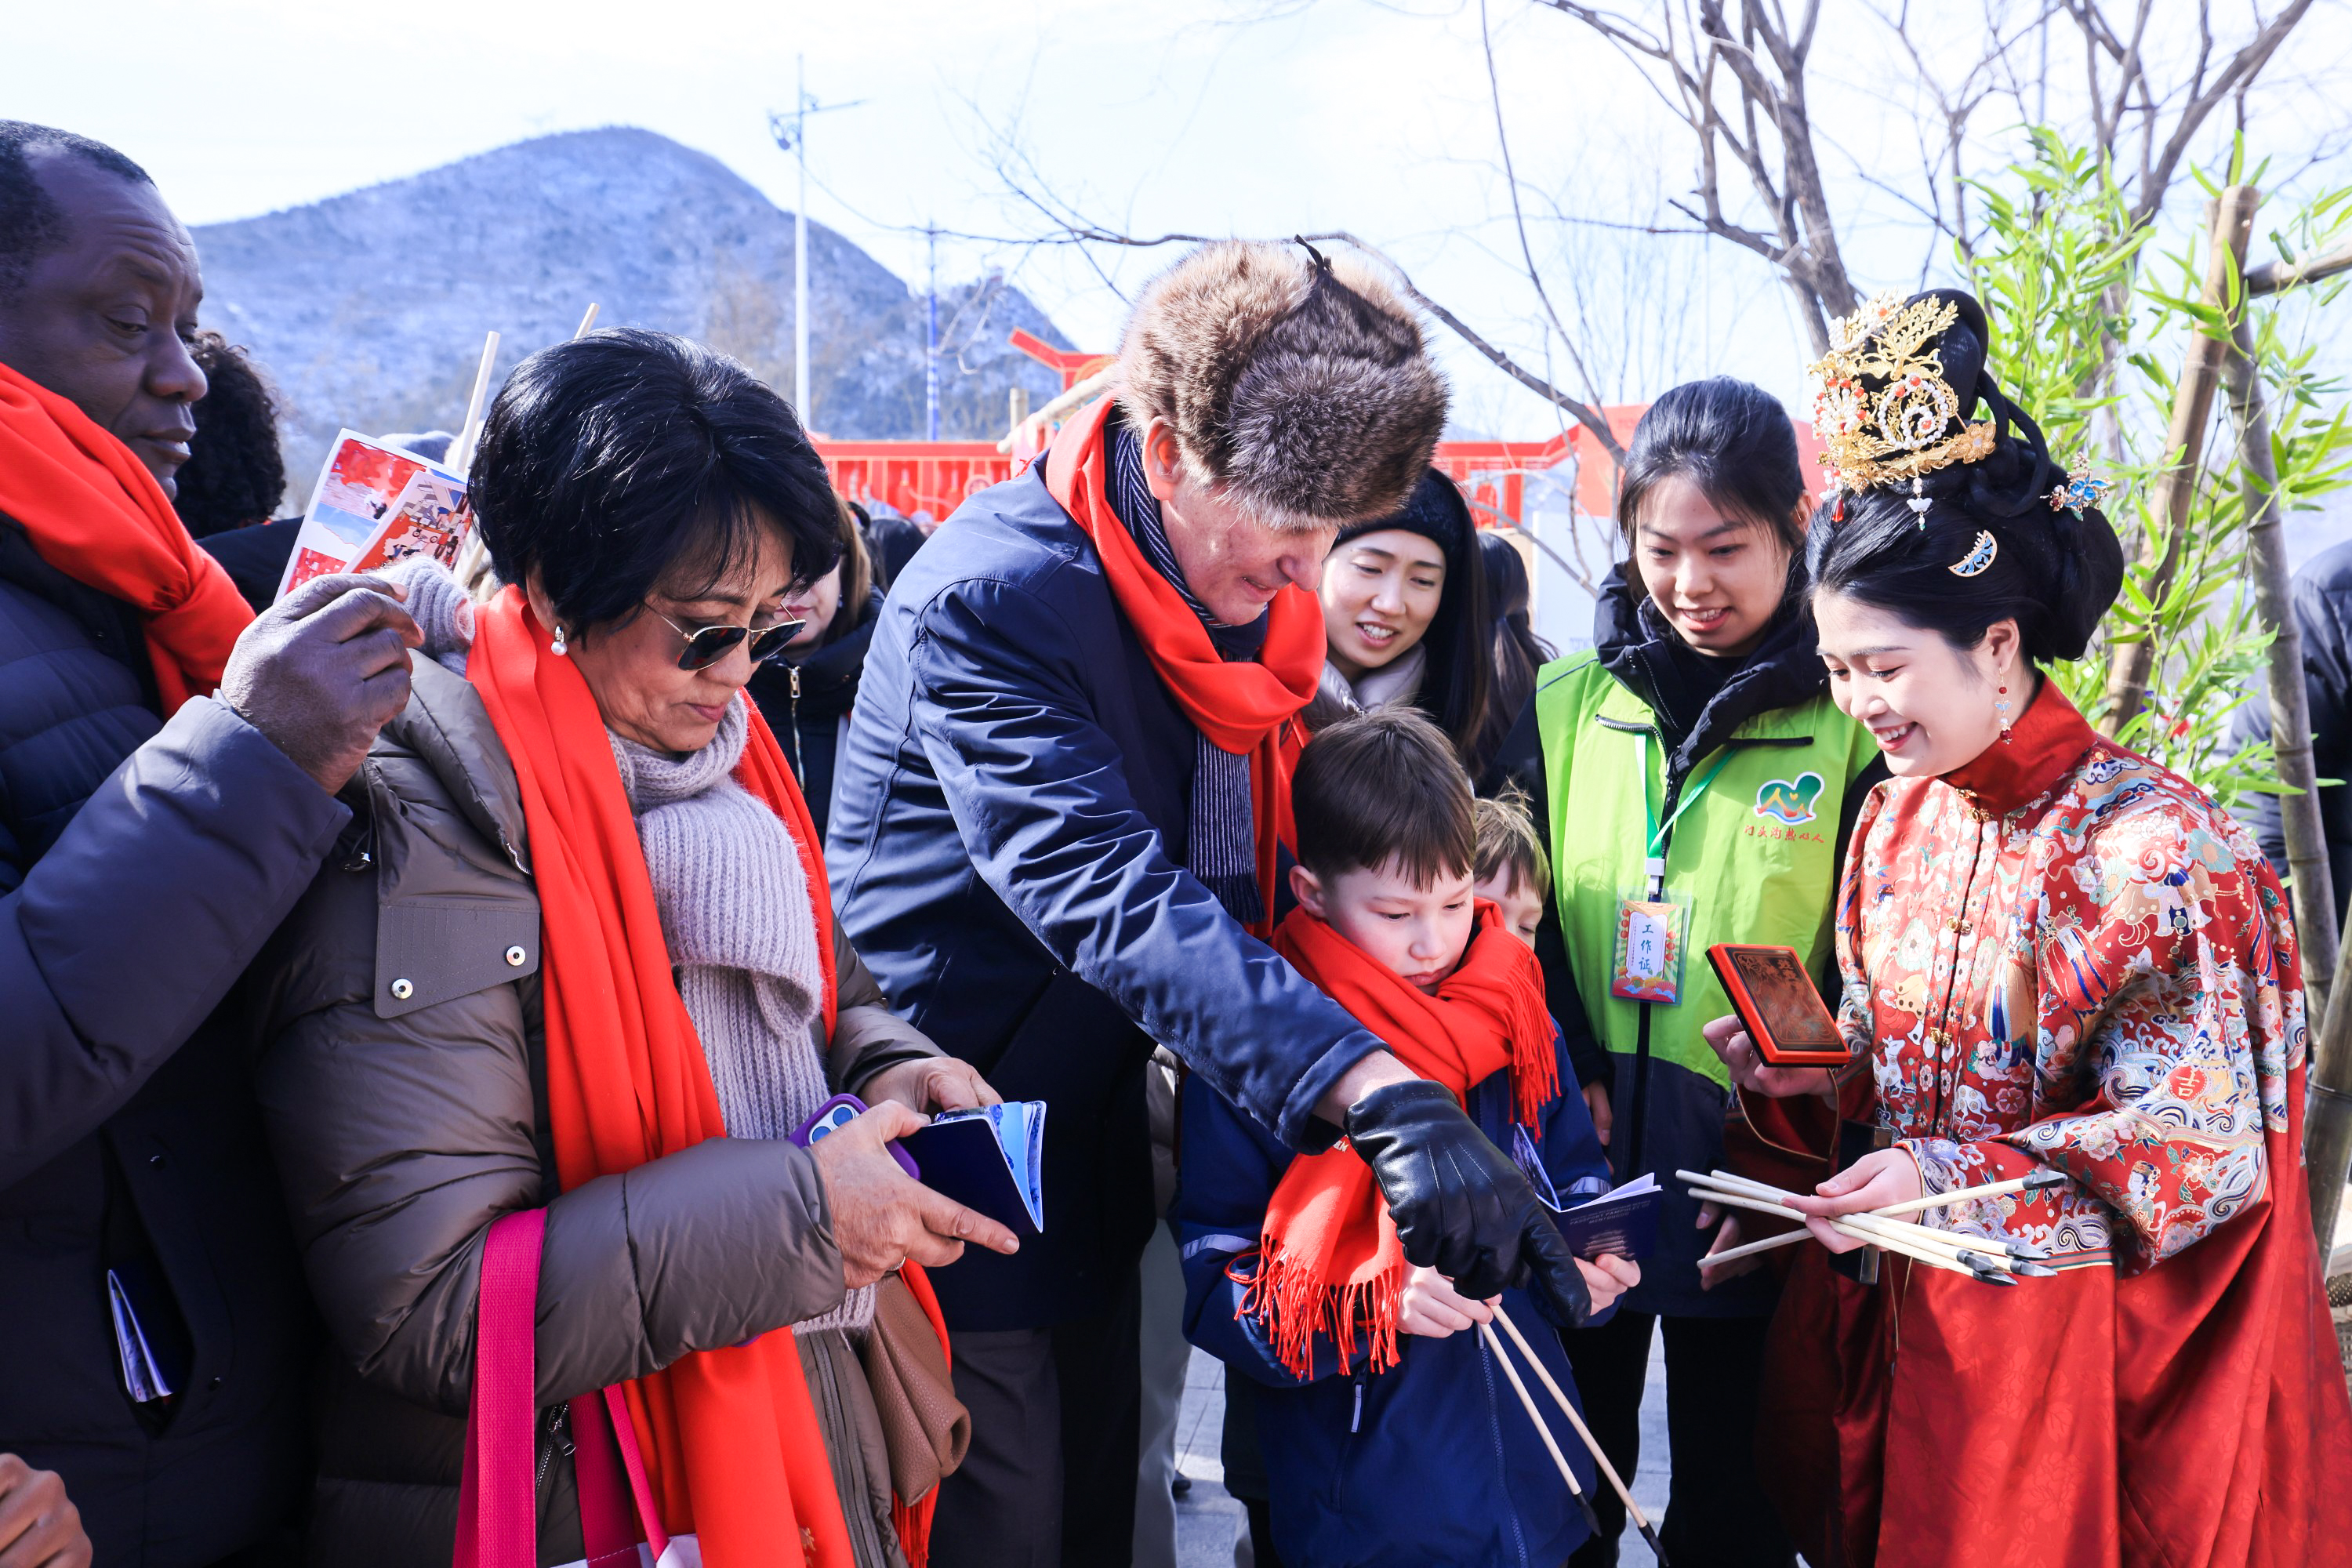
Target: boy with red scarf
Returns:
[1389, 1434]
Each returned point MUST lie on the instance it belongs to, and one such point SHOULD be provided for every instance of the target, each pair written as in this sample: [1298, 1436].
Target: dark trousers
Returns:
[1056, 1423]
[1717, 1513]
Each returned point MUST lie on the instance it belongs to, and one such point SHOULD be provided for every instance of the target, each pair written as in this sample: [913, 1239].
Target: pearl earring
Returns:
[2002, 707]
[559, 648]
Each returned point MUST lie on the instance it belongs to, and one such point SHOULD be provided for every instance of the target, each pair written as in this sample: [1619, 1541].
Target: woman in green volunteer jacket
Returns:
[1694, 780]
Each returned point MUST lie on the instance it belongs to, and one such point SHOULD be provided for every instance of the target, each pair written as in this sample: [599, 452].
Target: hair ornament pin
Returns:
[1920, 502]
[1978, 558]
[2080, 490]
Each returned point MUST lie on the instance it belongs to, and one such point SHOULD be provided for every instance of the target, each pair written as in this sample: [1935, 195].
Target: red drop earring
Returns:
[2002, 707]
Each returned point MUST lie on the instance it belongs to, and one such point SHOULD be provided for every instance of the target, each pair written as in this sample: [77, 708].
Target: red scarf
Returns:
[731, 1442]
[1329, 1262]
[1245, 706]
[94, 512]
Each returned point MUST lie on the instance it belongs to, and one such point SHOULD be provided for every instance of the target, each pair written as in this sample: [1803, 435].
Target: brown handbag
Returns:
[925, 1428]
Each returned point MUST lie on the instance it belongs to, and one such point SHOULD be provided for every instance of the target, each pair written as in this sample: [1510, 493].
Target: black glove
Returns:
[1460, 1206]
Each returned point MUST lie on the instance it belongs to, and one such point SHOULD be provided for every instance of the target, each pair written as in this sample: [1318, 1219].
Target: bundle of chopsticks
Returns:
[1543, 1429]
[1995, 1262]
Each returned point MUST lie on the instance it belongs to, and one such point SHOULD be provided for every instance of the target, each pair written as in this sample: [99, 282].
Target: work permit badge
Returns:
[1653, 929]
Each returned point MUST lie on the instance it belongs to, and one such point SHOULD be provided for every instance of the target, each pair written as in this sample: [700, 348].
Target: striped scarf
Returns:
[1221, 839]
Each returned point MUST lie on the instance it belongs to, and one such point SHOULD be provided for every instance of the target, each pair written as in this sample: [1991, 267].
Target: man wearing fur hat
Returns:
[1061, 809]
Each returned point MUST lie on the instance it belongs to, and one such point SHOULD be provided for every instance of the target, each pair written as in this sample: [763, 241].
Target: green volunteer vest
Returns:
[1752, 855]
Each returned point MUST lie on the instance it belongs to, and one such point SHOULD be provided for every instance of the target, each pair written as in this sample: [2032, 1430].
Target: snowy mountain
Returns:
[368, 308]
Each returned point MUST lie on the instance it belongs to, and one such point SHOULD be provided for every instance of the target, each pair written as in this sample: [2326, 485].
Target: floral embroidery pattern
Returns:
[2103, 980]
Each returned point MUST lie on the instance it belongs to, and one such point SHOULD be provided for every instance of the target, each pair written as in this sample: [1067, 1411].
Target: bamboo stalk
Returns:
[2229, 221]
[2306, 840]
[2274, 277]
[1599, 1458]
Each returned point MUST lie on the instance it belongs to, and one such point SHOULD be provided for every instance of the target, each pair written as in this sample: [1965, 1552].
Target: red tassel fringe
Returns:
[913, 1522]
[1296, 1306]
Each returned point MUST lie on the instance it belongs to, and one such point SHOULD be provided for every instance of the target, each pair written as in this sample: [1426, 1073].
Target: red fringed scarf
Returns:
[1329, 1262]
[1245, 706]
[731, 1442]
[94, 512]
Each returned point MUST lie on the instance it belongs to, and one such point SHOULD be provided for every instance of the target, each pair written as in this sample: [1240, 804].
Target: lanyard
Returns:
[1655, 864]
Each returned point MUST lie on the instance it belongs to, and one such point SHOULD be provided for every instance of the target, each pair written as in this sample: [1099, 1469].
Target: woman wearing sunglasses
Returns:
[578, 955]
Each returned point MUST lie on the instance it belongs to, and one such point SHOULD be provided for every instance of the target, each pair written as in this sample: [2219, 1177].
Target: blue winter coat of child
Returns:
[1433, 1460]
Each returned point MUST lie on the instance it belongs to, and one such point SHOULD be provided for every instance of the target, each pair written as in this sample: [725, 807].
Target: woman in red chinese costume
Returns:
[2056, 956]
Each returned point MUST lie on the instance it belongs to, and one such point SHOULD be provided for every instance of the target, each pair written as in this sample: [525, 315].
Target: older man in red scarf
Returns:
[168, 772]
[1057, 828]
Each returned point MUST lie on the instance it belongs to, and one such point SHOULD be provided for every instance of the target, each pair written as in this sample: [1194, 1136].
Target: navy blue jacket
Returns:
[1007, 853]
[141, 865]
[1438, 1463]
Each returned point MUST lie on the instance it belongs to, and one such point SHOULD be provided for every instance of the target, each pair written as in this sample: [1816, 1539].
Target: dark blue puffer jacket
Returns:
[1007, 854]
[142, 863]
[1433, 1460]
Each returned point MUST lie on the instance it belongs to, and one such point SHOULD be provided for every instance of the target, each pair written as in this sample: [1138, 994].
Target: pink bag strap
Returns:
[498, 1502]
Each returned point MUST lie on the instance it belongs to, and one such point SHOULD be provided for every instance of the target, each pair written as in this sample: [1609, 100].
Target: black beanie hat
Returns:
[1436, 511]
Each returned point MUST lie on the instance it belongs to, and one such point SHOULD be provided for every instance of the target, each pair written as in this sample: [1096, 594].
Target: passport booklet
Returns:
[1624, 1220]
[991, 1159]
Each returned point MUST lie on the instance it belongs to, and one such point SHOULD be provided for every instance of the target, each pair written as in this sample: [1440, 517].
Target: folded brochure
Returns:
[990, 1159]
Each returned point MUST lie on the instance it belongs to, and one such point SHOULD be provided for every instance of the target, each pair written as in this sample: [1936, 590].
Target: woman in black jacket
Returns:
[805, 696]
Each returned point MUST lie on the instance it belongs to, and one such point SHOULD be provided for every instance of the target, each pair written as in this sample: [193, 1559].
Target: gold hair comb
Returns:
[1899, 431]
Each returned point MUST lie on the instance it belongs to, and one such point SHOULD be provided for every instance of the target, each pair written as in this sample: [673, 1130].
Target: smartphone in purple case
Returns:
[838, 1112]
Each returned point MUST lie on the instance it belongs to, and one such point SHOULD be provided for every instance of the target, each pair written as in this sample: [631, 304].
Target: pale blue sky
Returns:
[1349, 114]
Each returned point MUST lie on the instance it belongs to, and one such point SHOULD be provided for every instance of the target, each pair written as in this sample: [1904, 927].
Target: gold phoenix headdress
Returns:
[1882, 407]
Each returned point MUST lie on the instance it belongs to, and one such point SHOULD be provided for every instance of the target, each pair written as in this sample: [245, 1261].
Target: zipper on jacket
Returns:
[559, 1429]
[1356, 1421]
[800, 772]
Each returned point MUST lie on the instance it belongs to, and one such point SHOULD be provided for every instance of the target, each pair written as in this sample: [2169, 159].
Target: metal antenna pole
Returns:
[789, 131]
[800, 242]
[931, 342]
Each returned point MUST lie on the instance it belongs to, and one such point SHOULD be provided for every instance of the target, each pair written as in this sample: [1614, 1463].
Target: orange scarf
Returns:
[94, 512]
[1329, 1262]
[731, 1442]
[1243, 705]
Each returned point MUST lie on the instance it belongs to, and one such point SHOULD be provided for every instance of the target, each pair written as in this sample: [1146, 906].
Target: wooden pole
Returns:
[2272, 277]
[2306, 841]
[2229, 220]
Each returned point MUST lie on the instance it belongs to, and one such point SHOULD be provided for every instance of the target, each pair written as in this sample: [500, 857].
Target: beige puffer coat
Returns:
[404, 1092]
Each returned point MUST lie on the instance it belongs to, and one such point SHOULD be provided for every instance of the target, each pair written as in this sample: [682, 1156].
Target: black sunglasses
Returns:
[709, 644]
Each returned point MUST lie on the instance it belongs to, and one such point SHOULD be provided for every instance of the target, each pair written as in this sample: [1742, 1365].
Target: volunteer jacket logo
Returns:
[1790, 801]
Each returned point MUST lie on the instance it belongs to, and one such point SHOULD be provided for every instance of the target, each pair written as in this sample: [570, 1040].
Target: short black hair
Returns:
[234, 474]
[609, 458]
[31, 223]
[1381, 786]
[1733, 441]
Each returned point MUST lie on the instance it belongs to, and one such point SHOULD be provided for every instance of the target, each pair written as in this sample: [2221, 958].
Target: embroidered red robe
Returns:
[2063, 955]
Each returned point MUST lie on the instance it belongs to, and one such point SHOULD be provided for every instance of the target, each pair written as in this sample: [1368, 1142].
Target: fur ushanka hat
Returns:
[1299, 385]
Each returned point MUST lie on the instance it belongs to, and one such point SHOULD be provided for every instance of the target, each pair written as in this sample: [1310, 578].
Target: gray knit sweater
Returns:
[735, 914]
